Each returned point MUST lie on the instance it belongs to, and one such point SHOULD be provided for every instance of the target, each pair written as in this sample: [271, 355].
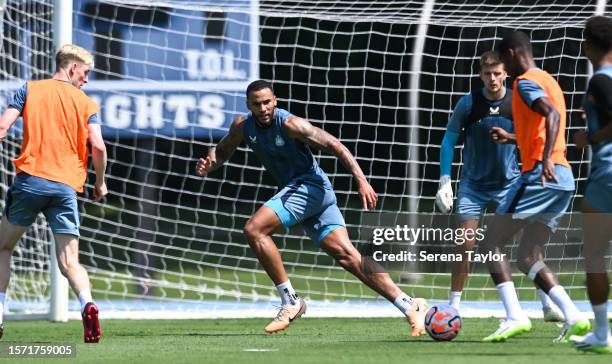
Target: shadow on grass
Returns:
[409, 341]
[222, 334]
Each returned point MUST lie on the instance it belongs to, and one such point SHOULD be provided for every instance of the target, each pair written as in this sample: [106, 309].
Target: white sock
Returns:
[601, 330]
[288, 295]
[511, 302]
[455, 298]
[546, 301]
[2, 300]
[561, 299]
[85, 298]
[404, 303]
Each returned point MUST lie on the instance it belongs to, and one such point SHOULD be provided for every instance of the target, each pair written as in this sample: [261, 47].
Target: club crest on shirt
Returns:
[279, 141]
[253, 139]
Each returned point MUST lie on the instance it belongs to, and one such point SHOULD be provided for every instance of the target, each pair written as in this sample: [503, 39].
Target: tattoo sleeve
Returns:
[322, 140]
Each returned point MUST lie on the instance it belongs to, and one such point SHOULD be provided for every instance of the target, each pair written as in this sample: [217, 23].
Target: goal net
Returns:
[170, 76]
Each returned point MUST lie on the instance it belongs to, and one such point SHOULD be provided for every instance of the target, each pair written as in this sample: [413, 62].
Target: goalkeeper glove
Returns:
[444, 197]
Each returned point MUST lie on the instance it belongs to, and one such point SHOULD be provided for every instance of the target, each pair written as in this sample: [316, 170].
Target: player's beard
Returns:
[265, 123]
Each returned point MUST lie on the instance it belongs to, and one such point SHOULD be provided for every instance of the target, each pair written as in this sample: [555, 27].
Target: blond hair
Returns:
[71, 53]
[490, 59]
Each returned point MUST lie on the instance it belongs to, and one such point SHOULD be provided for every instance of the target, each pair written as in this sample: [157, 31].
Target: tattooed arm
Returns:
[302, 130]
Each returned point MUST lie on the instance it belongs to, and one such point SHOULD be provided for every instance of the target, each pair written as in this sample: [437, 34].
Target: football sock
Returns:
[601, 330]
[511, 302]
[561, 299]
[404, 303]
[2, 300]
[85, 298]
[455, 298]
[546, 301]
[288, 295]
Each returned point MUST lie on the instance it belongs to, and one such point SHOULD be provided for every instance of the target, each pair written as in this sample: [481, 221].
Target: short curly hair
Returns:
[598, 31]
[514, 40]
[258, 85]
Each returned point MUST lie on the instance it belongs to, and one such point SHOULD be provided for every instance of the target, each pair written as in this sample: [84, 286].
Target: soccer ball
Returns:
[442, 323]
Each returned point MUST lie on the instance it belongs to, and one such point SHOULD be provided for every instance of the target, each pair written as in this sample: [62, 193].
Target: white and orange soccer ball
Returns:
[442, 323]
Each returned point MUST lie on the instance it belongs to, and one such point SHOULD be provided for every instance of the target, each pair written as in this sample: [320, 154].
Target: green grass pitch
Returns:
[308, 340]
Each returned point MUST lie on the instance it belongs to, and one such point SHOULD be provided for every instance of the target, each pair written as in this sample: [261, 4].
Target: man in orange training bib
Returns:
[539, 197]
[59, 121]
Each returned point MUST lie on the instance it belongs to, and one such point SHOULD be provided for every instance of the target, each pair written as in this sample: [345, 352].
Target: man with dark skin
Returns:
[489, 169]
[597, 202]
[539, 196]
[282, 143]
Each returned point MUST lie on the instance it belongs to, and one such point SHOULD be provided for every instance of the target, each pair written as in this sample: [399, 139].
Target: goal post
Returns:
[62, 34]
[170, 76]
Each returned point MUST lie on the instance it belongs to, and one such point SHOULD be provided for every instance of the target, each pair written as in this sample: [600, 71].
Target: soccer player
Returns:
[539, 197]
[59, 121]
[597, 202]
[282, 142]
[489, 168]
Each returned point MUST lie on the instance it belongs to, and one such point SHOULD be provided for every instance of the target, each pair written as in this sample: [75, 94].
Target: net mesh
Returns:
[170, 76]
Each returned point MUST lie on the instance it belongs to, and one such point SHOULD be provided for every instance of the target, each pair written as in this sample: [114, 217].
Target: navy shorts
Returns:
[472, 201]
[61, 212]
[311, 205]
[599, 195]
[532, 202]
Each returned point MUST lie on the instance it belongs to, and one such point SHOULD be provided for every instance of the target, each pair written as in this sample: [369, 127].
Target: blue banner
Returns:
[169, 71]
[183, 114]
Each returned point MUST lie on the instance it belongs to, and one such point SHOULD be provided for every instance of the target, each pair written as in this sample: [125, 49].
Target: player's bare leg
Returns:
[67, 250]
[550, 311]
[338, 245]
[9, 236]
[597, 228]
[258, 231]
[501, 229]
[529, 262]
[460, 273]
[461, 269]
